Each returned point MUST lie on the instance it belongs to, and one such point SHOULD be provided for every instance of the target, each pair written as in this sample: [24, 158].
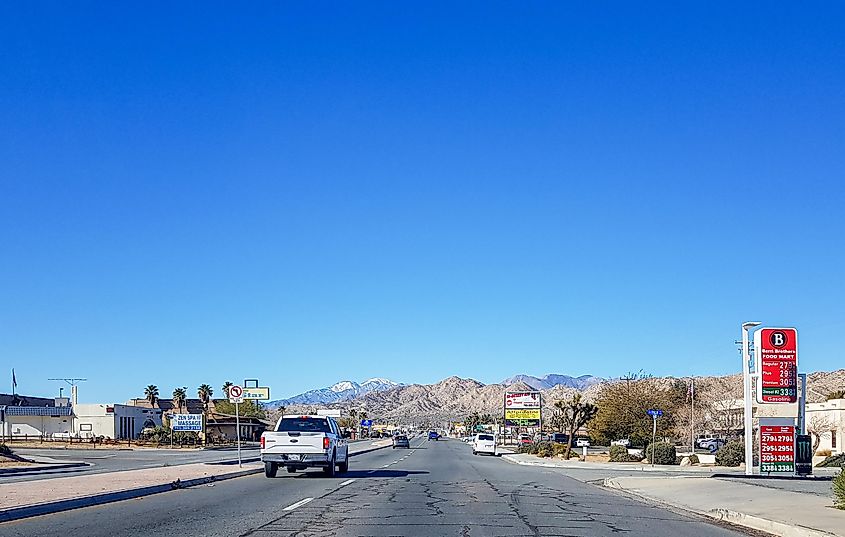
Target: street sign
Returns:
[777, 448]
[257, 394]
[776, 353]
[236, 394]
[186, 422]
[366, 423]
[655, 412]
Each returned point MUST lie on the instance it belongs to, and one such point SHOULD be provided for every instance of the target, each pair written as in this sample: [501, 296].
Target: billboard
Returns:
[186, 422]
[522, 409]
[776, 352]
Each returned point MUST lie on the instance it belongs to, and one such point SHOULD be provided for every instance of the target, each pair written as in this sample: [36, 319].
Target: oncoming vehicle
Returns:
[432, 435]
[484, 443]
[400, 440]
[300, 442]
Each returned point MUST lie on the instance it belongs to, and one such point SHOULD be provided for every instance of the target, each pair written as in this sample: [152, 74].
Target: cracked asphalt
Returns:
[433, 489]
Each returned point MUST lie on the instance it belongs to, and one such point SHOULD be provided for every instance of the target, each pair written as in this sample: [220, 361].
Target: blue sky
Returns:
[310, 192]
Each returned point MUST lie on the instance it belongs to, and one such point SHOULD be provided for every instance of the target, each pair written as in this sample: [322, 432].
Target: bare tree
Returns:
[819, 426]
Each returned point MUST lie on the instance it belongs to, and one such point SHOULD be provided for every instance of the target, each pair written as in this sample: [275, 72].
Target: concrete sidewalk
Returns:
[33, 498]
[779, 512]
[533, 460]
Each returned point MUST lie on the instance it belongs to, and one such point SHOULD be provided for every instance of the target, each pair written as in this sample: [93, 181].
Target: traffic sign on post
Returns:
[236, 394]
[776, 356]
[655, 412]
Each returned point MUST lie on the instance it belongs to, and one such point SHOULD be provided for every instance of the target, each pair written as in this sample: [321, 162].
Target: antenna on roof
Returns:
[73, 392]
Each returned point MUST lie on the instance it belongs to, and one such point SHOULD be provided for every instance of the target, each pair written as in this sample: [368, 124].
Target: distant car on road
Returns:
[582, 442]
[484, 443]
[433, 435]
[711, 444]
[560, 438]
[621, 442]
[525, 439]
[400, 440]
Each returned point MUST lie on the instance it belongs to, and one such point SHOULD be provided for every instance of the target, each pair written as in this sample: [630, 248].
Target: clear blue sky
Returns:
[307, 192]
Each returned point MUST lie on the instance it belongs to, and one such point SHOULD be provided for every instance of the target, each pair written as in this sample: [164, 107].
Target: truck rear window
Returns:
[304, 425]
[485, 437]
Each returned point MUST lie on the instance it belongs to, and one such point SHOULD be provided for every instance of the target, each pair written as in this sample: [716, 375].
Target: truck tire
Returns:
[291, 469]
[344, 466]
[270, 469]
[331, 469]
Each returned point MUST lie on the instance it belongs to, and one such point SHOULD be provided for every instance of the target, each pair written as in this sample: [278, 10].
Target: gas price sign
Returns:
[776, 350]
[777, 448]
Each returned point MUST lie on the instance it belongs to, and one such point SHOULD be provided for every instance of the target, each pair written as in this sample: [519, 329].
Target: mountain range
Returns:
[454, 397]
[341, 391]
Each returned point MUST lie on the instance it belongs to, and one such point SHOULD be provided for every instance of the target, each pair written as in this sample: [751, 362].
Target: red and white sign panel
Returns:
[776, 351]
[777, 448]
[522, 400]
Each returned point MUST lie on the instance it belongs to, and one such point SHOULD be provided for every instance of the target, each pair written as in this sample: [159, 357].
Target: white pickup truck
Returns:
[300, 442]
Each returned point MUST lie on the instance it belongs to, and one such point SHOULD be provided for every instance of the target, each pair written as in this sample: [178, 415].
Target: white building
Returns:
[118, 422]
[829, 418]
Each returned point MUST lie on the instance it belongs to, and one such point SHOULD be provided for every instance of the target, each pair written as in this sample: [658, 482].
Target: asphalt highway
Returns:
[433, 489]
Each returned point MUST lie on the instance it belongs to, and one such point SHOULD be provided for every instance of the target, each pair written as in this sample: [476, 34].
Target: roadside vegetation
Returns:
[839, 490]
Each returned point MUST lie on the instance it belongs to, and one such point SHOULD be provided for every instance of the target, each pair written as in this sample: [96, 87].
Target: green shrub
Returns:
[839, 490]
[617, 451]
[693, 459]
[661, 453]
[559, 449]
[835, 461]
[731, 454]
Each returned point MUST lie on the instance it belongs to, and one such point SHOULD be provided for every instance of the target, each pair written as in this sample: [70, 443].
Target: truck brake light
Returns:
[262, 441]
[326, 442]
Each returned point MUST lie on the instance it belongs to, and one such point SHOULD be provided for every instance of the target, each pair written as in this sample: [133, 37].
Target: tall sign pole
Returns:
[236, 396]
[748, 425]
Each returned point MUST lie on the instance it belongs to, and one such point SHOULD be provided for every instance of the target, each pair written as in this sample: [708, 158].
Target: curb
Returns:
[727, 515]
[17, 513]
[26, 470]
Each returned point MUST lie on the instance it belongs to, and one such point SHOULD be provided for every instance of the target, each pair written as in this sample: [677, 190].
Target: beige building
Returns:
[828, 421]
[118, 422]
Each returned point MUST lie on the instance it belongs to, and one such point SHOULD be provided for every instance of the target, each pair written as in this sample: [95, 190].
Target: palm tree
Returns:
[151, 394]
[180, 397]
[226, 386]
[204, 392]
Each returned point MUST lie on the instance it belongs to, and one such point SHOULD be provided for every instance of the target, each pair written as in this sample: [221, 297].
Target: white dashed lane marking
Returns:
[300, 503]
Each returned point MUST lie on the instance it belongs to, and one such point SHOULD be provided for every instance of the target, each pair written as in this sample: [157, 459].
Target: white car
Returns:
[582, 442]
[623, 442]
[484, 443]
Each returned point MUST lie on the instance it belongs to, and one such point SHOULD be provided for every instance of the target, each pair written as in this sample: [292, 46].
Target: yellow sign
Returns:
[522, 414]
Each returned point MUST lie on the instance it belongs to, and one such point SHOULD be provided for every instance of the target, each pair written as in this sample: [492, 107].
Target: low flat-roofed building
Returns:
[118, 422]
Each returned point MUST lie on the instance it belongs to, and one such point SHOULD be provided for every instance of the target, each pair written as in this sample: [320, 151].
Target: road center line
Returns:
[347, 482]
[300, 503]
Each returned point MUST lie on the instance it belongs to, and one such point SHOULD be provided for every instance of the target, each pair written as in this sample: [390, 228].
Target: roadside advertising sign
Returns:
[257, 394]
[803, 454]
[777, 448]
[236, 394]
[776, 353]
[522, 409]
[522, 400]
[186, 422]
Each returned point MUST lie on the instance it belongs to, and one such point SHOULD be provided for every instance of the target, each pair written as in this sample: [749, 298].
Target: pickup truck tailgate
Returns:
[283, 442]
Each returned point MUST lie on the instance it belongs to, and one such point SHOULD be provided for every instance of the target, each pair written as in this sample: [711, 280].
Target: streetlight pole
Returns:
[748, 425]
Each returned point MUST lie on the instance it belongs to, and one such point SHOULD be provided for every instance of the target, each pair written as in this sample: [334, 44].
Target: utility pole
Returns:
[692, 414]
[748, 425]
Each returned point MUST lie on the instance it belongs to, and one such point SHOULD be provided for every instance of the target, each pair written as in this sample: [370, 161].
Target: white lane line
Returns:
[347, 482]
[300, 503]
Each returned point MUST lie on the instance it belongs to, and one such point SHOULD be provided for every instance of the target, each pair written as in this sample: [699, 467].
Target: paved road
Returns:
[434, 489]
[103, 460]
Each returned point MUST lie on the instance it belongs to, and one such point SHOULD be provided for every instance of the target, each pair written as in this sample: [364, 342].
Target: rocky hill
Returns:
[454, 398]
[341, 391]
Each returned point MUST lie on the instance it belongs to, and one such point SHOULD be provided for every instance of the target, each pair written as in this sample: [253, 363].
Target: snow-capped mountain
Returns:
[341, 391]
[550, 381]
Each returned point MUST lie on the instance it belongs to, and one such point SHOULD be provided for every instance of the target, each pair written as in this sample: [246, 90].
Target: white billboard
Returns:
[514, 400]
[186, 422]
